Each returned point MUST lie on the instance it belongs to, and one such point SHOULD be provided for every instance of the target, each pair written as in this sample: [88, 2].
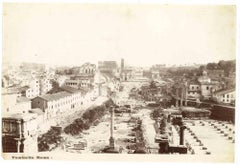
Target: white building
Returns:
[57, 103]
[194, 90]
[45, 86]
[38, 87]
[225, 96]
[13, 103]
[20, 124]
[87, 68]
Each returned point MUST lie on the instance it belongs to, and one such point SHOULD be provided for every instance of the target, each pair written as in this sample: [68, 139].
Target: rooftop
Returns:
[12, 90]
[18, 116]
[24, 88]
[224, 91]
[55, 96]
[22, 99]
[69, 89]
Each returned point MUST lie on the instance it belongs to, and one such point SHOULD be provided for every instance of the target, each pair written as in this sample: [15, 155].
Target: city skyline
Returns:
[50, 33]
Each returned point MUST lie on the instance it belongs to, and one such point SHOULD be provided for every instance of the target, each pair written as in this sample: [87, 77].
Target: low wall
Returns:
[218, 112]
[223, 113]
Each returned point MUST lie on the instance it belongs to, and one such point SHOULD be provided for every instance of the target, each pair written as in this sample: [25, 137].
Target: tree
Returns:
[212, 66]
[55, 87]
[153, 84]
[55, 84]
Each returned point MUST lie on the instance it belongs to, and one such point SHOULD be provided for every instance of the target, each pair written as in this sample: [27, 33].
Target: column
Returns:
[111, 140]
[181, 99]
[20, 136]
[186, 93]
[177, 97]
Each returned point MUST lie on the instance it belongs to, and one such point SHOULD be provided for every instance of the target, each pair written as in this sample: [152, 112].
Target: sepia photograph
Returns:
[119, 82]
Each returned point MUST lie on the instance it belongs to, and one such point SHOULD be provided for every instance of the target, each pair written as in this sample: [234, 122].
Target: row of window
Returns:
[228, 95]
[192, 92]
[193, 87]
[71, 83]
[207, 87]
[45, 81]
[61, 103]
[227, 101]
[88, 71]
[82, 84]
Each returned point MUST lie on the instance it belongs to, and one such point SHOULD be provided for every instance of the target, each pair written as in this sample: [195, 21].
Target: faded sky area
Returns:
[71, 34]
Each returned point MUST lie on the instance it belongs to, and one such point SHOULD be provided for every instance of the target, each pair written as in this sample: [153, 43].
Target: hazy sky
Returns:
[141, 34]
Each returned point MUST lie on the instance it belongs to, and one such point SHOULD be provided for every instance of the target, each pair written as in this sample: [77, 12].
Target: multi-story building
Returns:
[208, 86]
[225, 96]
[85, 69]
[79, 82]
[45, 86]
[57, 103]
[37, 87]
[14, 103]
[194, 90]
[88, 68]
[207, 89]
[73, 83]
[34, 89]
[19, 123]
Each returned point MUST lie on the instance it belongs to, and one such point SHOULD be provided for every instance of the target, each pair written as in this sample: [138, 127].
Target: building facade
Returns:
[19, 132]
[225, 96]
[57, 103]
[37, 87]
[194, 90]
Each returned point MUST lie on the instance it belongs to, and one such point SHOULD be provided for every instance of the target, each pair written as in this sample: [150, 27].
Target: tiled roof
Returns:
[55, 96]
[19, 116]
[69, 89]
[224, 91]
